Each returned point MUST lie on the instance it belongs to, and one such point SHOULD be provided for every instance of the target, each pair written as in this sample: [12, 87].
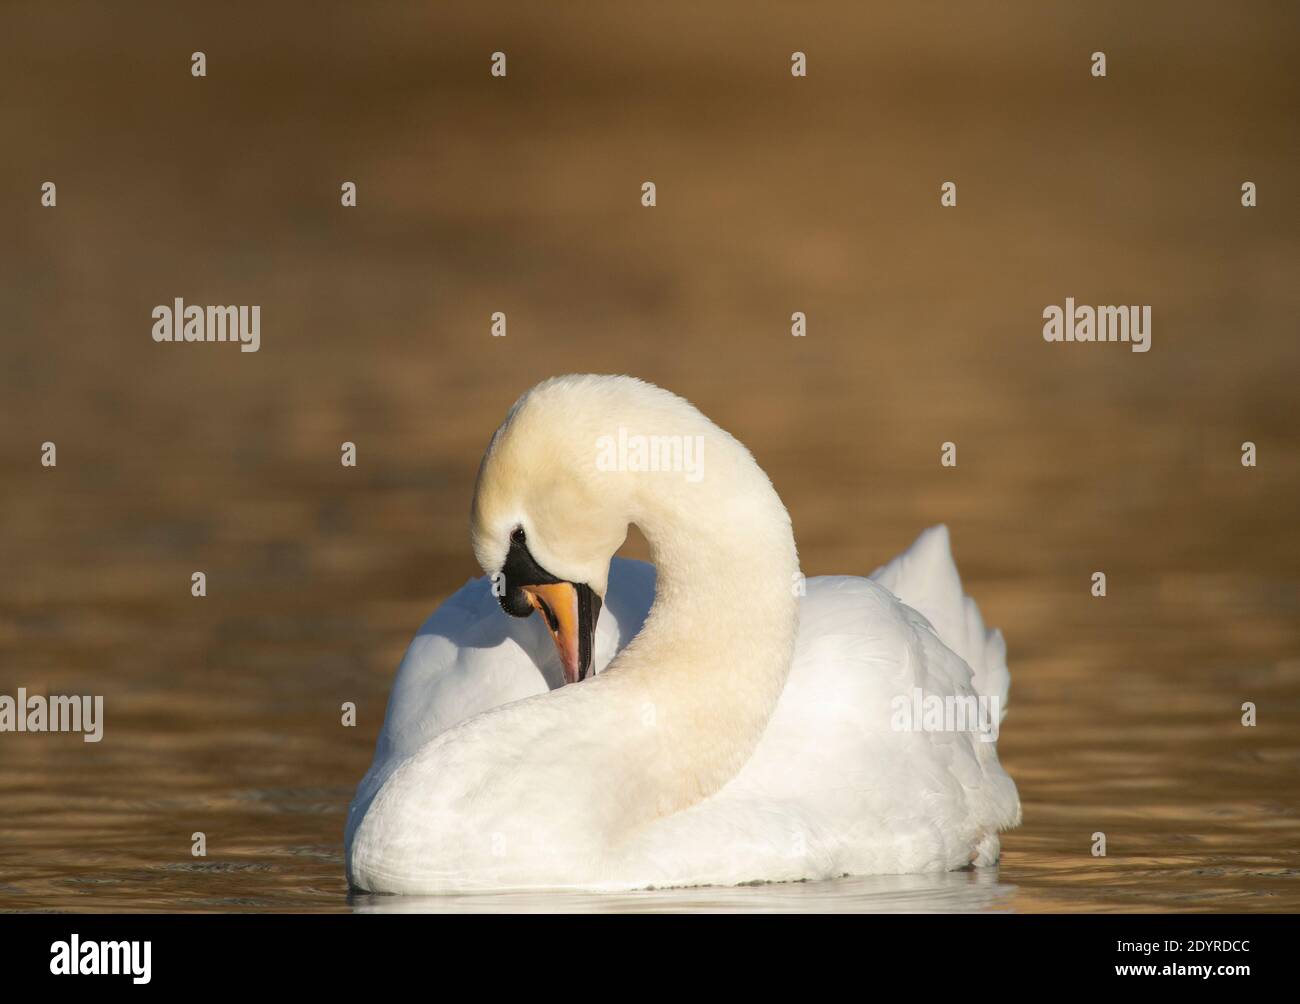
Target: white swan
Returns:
[735, 731]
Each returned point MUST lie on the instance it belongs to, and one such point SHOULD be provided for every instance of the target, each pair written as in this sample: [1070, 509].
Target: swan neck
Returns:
[712, 659]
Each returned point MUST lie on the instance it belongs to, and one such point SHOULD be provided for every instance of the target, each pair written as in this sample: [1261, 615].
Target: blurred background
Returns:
[522, 195]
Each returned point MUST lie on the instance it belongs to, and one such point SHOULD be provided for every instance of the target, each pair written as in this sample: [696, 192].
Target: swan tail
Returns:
[925, 577]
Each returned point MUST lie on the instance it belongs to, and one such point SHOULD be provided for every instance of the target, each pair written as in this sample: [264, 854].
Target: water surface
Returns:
[223, 714]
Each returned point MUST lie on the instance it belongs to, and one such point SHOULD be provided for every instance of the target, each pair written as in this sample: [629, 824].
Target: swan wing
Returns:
[835, 787]
[925, 577]
[468, 658]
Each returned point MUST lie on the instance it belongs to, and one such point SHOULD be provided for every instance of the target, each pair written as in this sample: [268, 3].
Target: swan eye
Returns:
[517, 535]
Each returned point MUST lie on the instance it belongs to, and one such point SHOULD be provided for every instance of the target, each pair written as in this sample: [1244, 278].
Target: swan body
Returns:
[733, 730]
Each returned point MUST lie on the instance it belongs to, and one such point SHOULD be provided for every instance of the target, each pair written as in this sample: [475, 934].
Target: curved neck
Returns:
[706, 671]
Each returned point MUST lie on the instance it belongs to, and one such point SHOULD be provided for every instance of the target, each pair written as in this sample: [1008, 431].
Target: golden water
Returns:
[223, 713]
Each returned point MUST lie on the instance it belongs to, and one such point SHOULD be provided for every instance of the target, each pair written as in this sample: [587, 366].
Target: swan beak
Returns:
[570, 612]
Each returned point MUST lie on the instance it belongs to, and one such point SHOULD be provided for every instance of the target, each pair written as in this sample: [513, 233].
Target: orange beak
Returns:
[570, 613]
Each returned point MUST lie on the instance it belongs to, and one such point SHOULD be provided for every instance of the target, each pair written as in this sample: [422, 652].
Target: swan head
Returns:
[545, 522]
[569, 609]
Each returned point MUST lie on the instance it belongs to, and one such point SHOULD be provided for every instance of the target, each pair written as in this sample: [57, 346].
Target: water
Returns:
[223, 714]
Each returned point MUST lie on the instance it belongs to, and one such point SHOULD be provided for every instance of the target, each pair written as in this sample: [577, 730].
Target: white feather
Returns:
[490, 775]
